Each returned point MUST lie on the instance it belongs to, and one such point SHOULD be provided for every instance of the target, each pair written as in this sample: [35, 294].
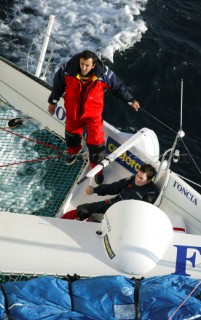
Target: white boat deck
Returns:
[53, 246]
[31, 244]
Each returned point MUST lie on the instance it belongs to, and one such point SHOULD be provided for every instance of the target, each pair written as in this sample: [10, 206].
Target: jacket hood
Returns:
[73, 66]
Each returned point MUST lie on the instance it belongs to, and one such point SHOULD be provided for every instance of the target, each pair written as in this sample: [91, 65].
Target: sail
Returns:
[104, 298]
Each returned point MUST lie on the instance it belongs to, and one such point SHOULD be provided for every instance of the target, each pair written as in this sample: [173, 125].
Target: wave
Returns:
[98, 25]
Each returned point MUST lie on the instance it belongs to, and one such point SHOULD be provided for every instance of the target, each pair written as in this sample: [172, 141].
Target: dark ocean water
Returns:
[170, 50]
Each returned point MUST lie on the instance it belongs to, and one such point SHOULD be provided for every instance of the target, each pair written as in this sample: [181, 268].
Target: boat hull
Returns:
[52, 246]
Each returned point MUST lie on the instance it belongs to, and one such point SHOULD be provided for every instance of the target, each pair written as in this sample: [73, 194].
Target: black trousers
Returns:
[85, 210]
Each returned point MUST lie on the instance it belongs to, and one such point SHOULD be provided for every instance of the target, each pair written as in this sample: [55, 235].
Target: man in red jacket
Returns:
[137, 187]
[83, 81]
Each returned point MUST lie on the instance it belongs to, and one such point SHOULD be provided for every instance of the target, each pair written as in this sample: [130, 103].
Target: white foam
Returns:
[99, 25]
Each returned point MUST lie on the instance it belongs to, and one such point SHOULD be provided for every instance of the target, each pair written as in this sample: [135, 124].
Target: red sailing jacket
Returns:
[83, 101]
[86, 100]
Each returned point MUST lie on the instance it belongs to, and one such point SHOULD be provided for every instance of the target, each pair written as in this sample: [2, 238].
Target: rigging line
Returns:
[26, 138]
[57, 41]
[48, 63]
[196, 184]
[35, 41]
[175, 133]
[197, 285]
[33, 160]
[54, 40]
[191, 156]
[157, 120]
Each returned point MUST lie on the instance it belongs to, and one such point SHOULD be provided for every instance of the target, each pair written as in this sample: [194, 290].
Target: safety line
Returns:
[26, 138]
[36, 141]
[161, 122]
[33, 160]
[197, 285]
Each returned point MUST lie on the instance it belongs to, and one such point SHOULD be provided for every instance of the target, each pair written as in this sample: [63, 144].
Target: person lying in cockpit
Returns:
[136, 187]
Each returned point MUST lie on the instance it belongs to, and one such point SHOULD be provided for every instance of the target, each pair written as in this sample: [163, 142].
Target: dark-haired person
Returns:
[137, 187]
[83, 81]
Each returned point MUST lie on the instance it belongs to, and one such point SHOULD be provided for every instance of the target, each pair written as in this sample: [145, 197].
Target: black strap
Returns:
[70, 280]
[137, 297]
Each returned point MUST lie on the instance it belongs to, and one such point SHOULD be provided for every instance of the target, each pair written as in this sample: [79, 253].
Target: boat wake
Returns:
[101, 26]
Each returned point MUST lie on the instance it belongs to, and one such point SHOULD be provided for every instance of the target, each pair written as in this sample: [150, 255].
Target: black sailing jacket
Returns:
[127, 189]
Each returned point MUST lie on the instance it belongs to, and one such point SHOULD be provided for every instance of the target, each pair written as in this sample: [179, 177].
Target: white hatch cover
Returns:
[135, 235]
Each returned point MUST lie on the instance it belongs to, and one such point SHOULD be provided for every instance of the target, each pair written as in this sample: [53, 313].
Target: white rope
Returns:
[197, 285]
[196, 184]
[161, 122]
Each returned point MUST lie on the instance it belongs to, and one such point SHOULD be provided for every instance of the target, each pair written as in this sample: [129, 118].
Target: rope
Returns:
[196, 184]
[184, 301]
[161, 122]
[33, 160]
[36, 141]
[32, 140]
[199, 170]
[145, 111]
[191, 156]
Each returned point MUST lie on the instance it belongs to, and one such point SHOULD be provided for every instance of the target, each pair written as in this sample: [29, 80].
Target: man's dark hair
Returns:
[86, 54]
[149, 170]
